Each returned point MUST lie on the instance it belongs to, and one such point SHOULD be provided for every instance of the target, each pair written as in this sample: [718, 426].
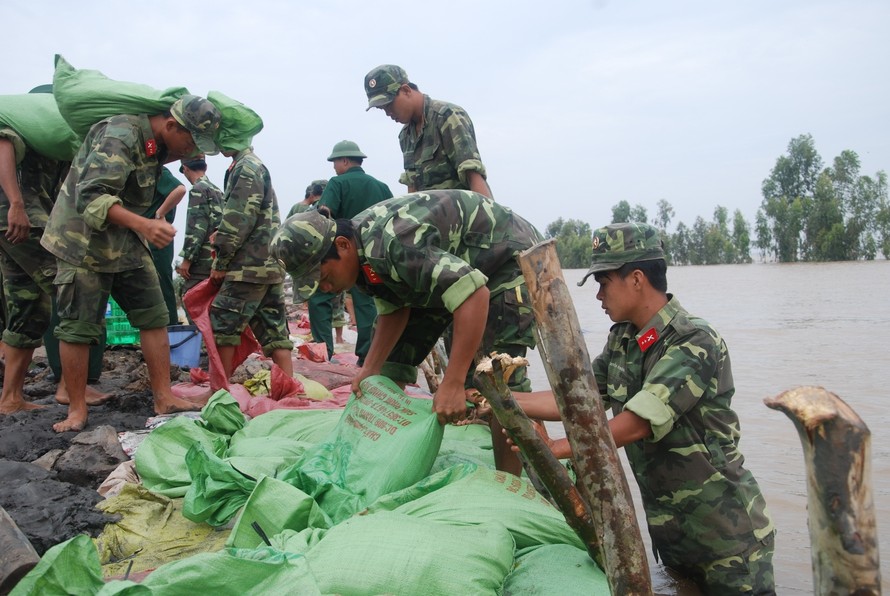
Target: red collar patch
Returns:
[151, 147]
[371, 275]
[646, 340]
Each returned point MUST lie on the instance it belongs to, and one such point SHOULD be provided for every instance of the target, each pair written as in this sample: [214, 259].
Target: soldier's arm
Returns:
[170, 201]
[196, 225]
[459, 143]
[332, 198]
[157, 231]
[18, 224]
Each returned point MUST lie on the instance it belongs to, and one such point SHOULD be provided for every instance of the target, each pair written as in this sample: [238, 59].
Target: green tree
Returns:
[679, 245]
[741, 238]
[664, 215]
[573, 245]
[621, 212]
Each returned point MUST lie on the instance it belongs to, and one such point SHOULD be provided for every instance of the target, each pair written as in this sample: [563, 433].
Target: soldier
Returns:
[438, 140]
[427, 259]
[667, 376]
[202, 219]
[29, 182]
[251, 282]
[313, 194]
[100, 240]
[347, 194]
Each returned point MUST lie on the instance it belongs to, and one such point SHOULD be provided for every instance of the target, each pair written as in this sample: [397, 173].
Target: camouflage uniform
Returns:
[346, 196]
[203, 217]
[253, 290]
[444, 151]
[27, 269]
[428, 252]
[117, 164]
[706, 514]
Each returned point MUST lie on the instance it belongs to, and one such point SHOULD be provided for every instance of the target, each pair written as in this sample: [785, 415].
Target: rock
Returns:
[93, 455]
[48, 459]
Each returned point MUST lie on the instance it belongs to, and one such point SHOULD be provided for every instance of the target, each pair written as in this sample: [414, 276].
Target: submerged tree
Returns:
[572, 242]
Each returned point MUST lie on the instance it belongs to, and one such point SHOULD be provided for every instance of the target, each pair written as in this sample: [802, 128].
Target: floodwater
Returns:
[789, 325]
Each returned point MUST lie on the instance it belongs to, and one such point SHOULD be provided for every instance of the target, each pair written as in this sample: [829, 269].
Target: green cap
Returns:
[200, 118]
[299, 245]
[382, 84]
[618, 244]
[346, 149]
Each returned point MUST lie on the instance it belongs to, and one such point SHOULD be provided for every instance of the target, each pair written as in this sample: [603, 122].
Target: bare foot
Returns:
[173, 404]
[19, 406]
[93, 397]
[72, 422]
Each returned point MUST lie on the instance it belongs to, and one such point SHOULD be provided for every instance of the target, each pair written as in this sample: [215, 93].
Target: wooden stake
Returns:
[841, 515]
[601, 478]
[17, 556]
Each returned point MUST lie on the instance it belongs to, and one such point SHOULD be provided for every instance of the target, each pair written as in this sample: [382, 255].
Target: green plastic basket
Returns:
[117, 327]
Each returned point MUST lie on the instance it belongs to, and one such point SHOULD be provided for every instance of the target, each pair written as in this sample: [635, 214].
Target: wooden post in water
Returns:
[601, 478]
[841, 515]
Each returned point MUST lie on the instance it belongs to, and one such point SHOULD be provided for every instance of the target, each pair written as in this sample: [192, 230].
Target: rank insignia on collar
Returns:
[151, 147]
[646, 340]
[371, 275]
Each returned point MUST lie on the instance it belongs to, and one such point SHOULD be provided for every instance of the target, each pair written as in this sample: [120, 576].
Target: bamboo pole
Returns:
[601, 478]
[491, 380]
[841, 515]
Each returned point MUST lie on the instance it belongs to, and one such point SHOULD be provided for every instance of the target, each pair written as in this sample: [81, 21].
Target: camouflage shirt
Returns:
[352, 192]
[435, 249]
[701, 503]
[118, 164]
[444, 151]
[249, 219]
[39, 179]
[202, 218]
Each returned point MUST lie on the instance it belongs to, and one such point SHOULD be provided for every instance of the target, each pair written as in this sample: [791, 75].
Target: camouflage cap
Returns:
[382, 84]
[200, 118]
[322, 183]
[193, 163]
[299, 245]
[618, 244]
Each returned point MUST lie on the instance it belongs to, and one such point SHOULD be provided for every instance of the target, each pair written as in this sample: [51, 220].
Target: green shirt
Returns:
[118, 164]
[352, 192]
[444, 152]
[434, 249]
[701, 503]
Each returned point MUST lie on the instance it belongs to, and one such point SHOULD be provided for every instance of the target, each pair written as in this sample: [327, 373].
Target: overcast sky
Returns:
[577, 105]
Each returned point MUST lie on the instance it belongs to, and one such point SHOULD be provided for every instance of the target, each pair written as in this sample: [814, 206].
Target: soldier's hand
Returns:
[450, 402]
[19, 226]
[217, 276]
[159, 232]
[183, 269]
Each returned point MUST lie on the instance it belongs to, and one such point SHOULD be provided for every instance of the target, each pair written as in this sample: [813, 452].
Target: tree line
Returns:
[808, 212]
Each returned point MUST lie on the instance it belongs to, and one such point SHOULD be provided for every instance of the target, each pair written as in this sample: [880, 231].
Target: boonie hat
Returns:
[299, 245]
[618, 244]
[346, 149]
[382, 84]
[200, 118]
[193, 163]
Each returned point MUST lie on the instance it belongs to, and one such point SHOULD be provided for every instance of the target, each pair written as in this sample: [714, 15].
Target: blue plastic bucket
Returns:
[185, 345]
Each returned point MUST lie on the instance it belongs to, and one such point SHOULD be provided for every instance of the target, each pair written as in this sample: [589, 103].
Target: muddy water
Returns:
[786, 326]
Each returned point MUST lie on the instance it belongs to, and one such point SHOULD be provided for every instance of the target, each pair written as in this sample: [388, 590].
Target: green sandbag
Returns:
[311, 426]
[86, 97]
[556, 570]
[160, 459]
[275, 506]
[469, 443]
[222, 414]
[36, 118]
[383, 442]
[217, 490]
[390, 553]
[238, 125]
[71, 567]
[488, 495]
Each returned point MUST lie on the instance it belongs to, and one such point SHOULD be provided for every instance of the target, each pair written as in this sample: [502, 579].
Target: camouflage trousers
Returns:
[509, 329]
[750, 572]
[28, 270]
[82, 296]
[241, 303]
